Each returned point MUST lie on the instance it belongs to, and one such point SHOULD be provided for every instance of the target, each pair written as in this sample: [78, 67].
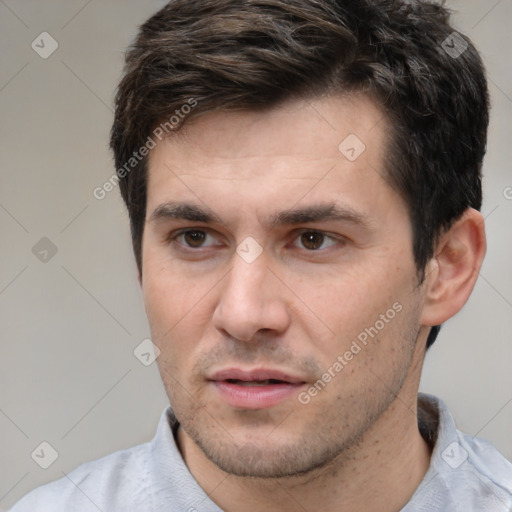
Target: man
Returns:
[303, 180]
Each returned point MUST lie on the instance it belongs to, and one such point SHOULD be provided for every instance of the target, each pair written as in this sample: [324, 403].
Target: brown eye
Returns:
[194, 238]
[312, 240]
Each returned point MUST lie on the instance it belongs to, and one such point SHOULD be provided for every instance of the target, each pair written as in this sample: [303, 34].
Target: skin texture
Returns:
[296, 309]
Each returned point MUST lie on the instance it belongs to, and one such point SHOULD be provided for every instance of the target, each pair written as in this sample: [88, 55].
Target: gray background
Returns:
[69, 325]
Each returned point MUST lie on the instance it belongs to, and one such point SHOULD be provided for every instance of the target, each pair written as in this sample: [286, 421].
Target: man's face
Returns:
[279, 283]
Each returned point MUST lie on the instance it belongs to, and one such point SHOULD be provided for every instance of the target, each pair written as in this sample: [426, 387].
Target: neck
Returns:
[380, 473]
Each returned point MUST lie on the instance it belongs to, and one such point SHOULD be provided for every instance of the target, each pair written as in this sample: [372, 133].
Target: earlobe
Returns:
[452, 273]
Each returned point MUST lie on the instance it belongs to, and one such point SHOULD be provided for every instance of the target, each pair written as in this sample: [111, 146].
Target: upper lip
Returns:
[255, 375]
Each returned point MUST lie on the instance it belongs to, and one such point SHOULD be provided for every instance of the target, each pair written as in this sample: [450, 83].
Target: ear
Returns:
[452, 273]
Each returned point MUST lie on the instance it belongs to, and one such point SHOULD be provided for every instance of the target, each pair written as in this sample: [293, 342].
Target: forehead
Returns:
[307, 128]
[323, 148]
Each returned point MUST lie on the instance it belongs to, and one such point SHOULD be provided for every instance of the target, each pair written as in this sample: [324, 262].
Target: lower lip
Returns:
[255, 397]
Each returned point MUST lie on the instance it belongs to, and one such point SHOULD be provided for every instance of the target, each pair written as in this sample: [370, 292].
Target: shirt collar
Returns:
[179, 490]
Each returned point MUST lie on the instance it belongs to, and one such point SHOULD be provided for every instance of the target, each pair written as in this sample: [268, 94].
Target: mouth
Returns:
[247, 383]
[255, 389]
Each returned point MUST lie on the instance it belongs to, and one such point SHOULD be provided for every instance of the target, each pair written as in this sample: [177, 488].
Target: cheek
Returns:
[347, 304]
[178, 309]
[164, 303]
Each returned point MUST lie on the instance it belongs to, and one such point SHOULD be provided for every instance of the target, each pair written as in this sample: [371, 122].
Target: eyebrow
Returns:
[317, 213]
[184, 211]
[293, 216]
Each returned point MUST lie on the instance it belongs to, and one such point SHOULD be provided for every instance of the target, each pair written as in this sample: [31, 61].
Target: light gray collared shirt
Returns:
[466, 474]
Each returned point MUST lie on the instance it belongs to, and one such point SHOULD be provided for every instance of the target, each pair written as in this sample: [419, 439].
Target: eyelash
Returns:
[173, 238]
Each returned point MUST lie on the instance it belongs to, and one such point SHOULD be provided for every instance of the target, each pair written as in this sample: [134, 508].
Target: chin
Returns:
[282, 458]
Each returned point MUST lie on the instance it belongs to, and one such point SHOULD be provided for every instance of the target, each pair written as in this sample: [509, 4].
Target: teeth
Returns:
[254, 382]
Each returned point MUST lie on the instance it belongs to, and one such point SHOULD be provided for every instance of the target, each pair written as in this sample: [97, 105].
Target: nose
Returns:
[252, 300]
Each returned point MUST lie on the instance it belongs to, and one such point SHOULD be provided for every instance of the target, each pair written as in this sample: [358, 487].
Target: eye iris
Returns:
[312, 240]
[195, 238]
